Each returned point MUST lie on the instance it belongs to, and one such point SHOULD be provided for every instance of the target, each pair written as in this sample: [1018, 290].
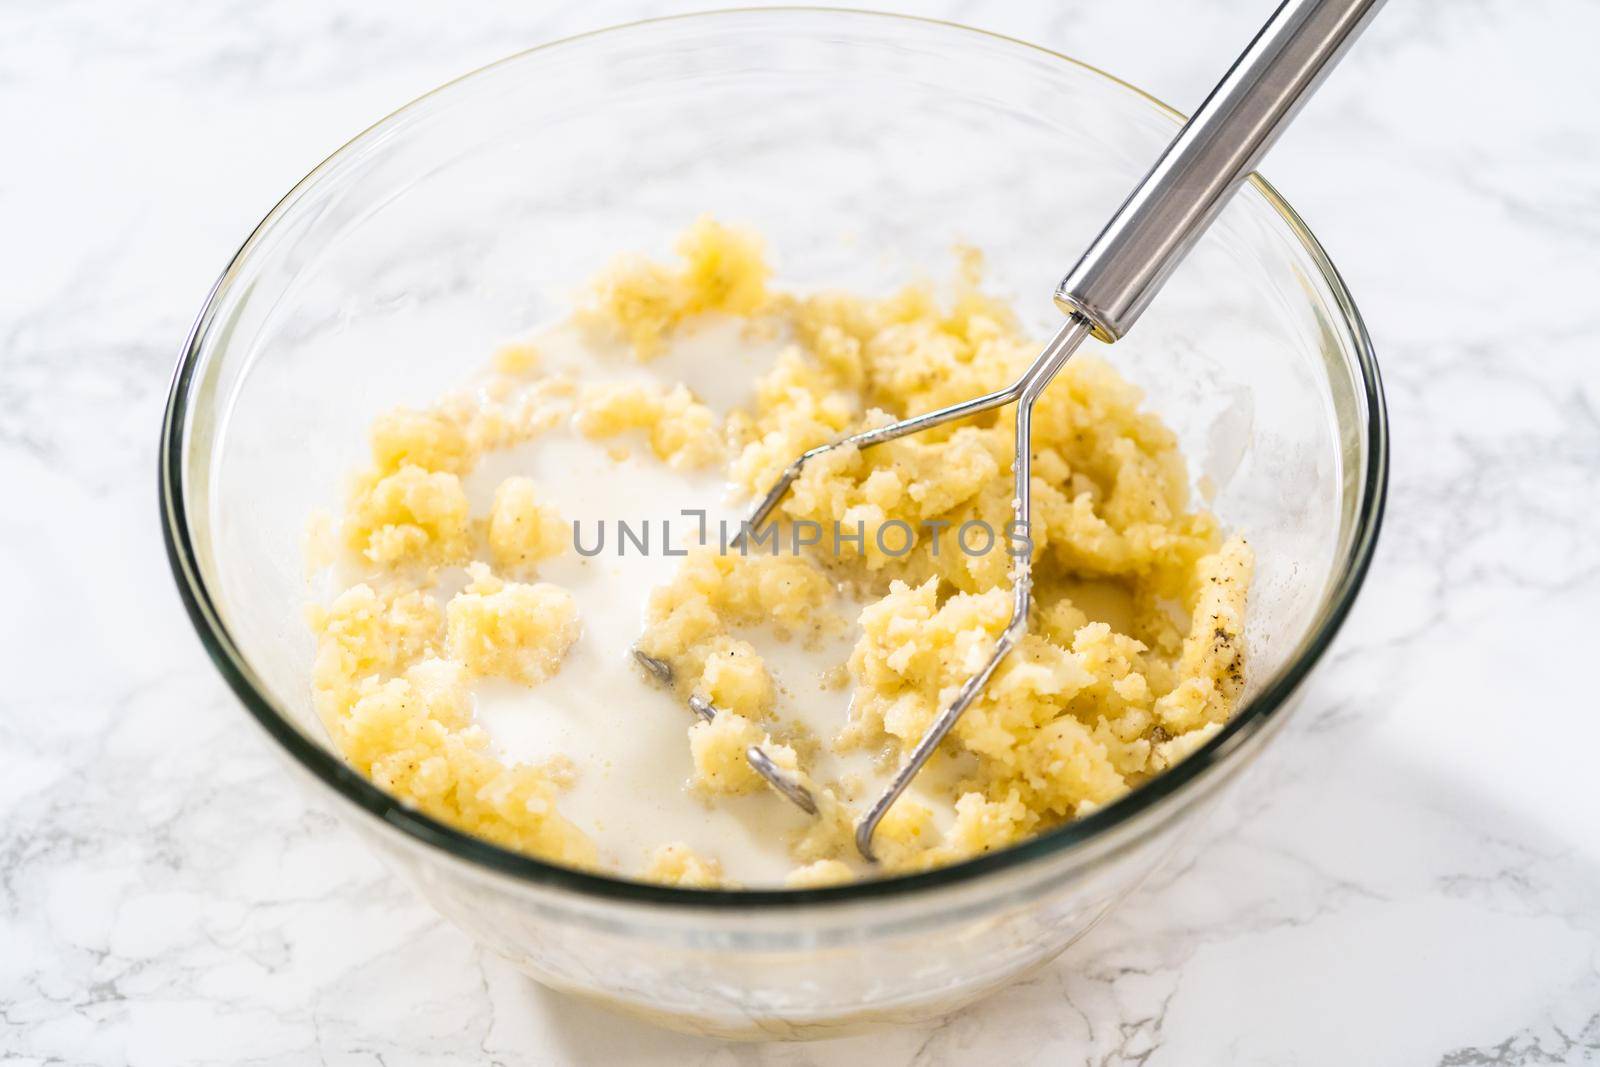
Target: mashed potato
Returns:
[510, 630]
[642, 302]
[1134, 657]
[523, 529]
[677, 864]
[680, 430]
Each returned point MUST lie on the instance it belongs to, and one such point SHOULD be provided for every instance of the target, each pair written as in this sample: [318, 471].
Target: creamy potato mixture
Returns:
[474, 658]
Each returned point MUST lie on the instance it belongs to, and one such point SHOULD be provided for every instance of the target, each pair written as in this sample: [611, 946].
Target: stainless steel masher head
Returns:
[763, 764]
[1115, 280]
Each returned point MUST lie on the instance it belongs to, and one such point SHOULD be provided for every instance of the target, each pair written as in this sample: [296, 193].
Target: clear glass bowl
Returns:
[863, 146]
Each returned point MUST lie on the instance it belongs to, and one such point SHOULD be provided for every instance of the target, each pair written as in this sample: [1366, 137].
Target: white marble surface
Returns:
[1416, 880]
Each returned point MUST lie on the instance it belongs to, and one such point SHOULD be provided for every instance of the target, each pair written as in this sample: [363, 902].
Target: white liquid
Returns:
[715, 357]
[626, 734]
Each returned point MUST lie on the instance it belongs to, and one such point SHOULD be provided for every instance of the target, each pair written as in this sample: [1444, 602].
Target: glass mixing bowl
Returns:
[862, 146]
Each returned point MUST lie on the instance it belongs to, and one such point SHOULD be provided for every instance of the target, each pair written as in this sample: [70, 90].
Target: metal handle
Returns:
[1212, 155]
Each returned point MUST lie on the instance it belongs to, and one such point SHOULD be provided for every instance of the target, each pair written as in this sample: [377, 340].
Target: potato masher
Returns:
[1110, 287]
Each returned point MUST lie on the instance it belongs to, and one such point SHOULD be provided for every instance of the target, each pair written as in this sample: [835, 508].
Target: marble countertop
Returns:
[1417, 879]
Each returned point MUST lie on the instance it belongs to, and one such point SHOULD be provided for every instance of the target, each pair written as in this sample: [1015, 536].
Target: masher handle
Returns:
[1210, 158]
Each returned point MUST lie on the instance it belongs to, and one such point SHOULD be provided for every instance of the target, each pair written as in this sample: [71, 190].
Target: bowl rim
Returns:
[334, 773]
